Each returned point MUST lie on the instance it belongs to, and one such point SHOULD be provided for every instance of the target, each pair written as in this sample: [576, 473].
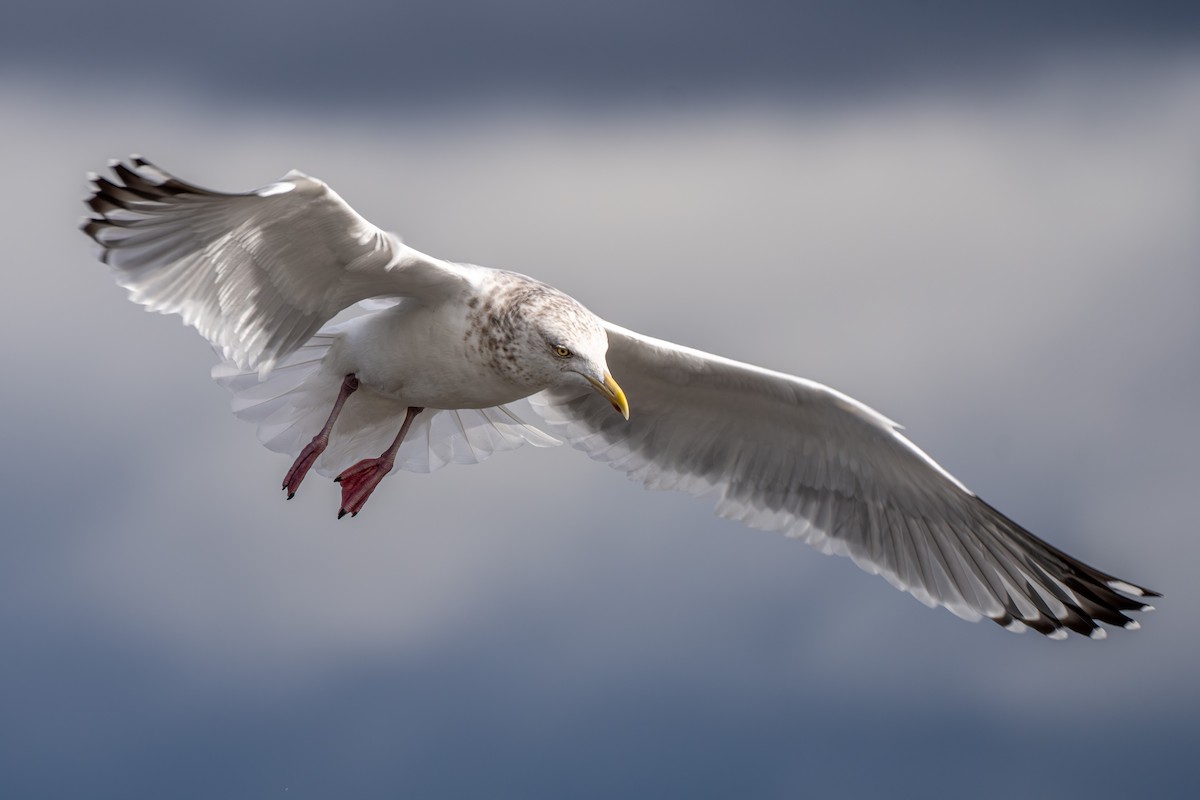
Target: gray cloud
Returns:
[1012, 277]
[379, 55]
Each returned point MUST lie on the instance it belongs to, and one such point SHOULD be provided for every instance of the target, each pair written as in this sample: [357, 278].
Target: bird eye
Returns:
[561, 351]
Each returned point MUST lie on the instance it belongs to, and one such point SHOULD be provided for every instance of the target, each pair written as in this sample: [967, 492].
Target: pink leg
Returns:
[361, 479]
[308, 456]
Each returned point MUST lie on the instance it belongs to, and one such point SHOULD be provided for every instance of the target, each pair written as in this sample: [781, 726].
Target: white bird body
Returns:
[420, 355]
[259, 274]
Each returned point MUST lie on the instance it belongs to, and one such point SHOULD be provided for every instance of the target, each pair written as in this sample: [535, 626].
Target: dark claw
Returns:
[291, 495]
[338, 479]
[341, 513]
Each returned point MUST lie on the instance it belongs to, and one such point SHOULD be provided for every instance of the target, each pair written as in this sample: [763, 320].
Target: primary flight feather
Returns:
[422, 380]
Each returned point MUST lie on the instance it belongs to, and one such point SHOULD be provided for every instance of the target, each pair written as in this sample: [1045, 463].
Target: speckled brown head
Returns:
[536, 336]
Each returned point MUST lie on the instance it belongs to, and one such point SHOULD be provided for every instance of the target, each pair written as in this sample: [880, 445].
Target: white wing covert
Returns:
[257, 274]
[787, 454]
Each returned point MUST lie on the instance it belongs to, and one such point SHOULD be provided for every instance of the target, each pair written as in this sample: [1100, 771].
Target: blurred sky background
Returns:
[982, 221]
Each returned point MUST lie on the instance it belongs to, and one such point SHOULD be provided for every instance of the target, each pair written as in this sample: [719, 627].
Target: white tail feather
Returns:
[292, 402]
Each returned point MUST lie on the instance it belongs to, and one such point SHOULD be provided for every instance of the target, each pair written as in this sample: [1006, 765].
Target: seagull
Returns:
[425, 367]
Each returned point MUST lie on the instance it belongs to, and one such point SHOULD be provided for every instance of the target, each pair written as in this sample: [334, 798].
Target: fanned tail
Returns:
[292, 402]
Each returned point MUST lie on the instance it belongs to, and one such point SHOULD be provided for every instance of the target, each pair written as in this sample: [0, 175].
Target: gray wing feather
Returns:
[782, 453]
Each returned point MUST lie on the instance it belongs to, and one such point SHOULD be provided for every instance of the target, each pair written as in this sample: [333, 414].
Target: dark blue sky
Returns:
[373, 52]
[980, 221]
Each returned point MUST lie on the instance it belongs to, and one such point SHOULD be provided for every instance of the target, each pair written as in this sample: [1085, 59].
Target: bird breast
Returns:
[424, 356]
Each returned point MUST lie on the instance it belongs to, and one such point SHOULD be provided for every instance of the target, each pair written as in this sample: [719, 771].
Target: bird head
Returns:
[565, 344]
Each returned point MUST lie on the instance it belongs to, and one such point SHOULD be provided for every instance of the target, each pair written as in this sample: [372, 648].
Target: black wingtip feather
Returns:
[101, 204]
[1095, 597]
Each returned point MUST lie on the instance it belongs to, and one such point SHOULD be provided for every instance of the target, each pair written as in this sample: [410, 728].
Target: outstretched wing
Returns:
[257, 273]
[783, 453]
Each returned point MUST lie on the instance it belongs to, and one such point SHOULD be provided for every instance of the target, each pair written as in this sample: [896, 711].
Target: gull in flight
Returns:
[422, 376]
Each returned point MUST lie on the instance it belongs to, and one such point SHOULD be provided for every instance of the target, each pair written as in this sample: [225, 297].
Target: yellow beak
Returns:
[611, 392]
